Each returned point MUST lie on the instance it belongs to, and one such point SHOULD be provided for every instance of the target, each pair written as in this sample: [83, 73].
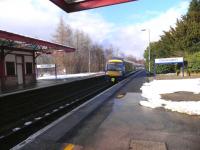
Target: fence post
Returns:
[183, 69]
[55, 71]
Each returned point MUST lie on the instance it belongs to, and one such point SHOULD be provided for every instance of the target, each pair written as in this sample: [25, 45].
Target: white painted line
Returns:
[47, 114]
[38, 118]
[16, 129]
[28, 123]
[61, 107]
[55, 110]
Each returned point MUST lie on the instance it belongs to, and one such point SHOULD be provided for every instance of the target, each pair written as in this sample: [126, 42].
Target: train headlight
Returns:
[112, 79]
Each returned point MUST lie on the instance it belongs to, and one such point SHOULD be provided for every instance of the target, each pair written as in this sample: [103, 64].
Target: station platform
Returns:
[122, 124]
[45, 83]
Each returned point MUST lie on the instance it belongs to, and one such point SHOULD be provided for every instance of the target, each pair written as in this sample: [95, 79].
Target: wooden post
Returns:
[2, 69]
[35, 73]
[154, 70]
[183, 69]
[55, 71]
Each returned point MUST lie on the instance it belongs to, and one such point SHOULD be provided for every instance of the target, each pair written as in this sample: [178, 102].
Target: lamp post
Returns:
[149, 32]
[89, 61]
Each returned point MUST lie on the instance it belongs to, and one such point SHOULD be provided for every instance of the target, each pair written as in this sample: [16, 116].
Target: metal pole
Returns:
[89, 62]
[149, 52]
[149, 47]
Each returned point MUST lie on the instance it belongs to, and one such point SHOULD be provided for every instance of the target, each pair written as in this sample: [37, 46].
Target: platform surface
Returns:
[121, 121]
[42, 83]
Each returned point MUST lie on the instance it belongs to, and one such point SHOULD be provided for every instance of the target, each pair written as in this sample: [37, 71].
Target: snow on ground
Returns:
[152, 92]
[47, 76]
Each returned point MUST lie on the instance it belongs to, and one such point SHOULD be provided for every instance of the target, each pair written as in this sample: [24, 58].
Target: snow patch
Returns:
[48, 76]
[153, 90]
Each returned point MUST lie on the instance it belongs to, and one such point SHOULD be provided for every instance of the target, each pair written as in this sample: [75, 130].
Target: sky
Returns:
[117, 25]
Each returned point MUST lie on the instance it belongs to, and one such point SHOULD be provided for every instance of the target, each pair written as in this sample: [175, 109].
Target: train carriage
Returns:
[117, 69]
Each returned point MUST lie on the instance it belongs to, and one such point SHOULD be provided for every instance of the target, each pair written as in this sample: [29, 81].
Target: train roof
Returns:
[115, 61]
[120, 60]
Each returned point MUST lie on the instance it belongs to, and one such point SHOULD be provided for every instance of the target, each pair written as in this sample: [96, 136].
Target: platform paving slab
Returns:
[146, 145]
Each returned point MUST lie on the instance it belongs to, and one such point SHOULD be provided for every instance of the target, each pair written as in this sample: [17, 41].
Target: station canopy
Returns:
[78, 5]
[16, 42]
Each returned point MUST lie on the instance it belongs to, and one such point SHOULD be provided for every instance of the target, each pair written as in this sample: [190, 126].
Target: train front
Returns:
[115, 70]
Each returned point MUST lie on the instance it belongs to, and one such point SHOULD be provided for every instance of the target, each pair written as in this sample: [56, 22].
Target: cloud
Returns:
[131, 40]
[39, 18]
[91, 23]
[27, 18]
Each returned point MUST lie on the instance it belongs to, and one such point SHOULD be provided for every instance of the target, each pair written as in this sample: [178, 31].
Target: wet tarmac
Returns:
[122, 120]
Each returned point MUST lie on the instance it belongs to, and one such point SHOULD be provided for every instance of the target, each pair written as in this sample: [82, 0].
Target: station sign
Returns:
[43, 66]
[169, 60]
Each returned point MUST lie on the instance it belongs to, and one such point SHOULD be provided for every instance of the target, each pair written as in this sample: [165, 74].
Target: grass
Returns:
[172, 76]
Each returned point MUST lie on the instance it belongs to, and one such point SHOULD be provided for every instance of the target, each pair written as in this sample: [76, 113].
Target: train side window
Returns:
[10, 68]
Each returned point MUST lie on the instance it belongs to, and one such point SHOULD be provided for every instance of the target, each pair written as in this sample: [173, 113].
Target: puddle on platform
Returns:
[120, 95]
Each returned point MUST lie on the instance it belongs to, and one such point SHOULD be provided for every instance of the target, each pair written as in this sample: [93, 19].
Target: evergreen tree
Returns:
[183, 40]
[192, 20]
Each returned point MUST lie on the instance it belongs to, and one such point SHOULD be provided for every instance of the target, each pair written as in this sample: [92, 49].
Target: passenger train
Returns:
[117, 69]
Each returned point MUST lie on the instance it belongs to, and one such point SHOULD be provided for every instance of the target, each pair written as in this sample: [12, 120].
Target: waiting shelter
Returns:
[162, 61]
[17, 58]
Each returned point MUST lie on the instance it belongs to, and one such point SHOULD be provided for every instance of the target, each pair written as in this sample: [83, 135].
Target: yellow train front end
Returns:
[115, 70]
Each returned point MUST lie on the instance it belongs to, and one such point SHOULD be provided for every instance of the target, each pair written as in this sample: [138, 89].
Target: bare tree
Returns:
[88, 56]
[63, 36]
[109, 53]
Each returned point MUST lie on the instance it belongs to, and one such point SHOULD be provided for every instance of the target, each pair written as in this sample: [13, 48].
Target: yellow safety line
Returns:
[69, 147]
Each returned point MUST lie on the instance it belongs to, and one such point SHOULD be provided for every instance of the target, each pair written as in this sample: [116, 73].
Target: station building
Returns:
[17, 58]
[18, 67]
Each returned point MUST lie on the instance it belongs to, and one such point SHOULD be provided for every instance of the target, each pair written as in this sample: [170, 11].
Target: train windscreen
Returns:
[115, 66]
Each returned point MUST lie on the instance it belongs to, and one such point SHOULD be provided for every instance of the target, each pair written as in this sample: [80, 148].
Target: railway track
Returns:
[25, 113]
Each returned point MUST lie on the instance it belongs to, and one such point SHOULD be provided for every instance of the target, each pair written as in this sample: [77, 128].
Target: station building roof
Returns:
[18, 42]
[78, 5]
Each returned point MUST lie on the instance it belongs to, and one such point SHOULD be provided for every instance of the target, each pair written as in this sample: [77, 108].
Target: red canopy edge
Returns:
[28, 40]
[86, 4]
